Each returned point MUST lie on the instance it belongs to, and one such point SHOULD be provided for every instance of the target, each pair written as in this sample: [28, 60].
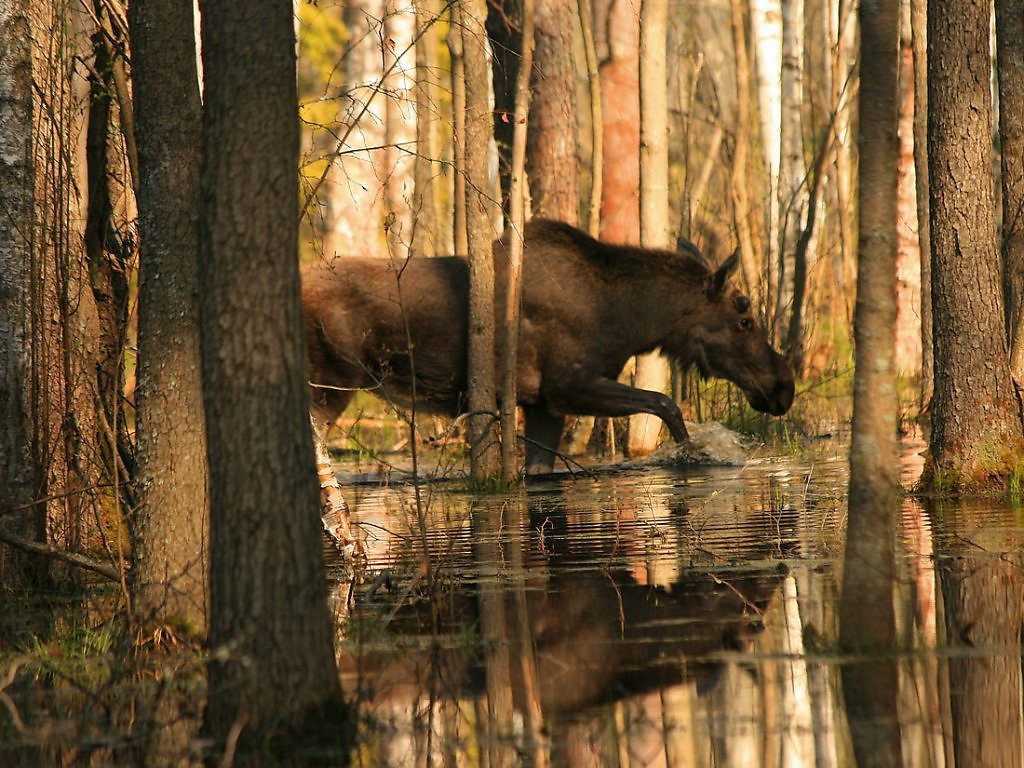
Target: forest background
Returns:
[109, 141]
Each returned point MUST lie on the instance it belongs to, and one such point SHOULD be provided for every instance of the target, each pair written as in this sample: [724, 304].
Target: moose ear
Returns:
[721, 275]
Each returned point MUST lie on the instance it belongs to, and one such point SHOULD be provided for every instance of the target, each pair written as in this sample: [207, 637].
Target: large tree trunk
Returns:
[171, 525]
[976, 424]
[652, 370]
[271, 671]
[483, 431]
[867, 619]
[1010, 52]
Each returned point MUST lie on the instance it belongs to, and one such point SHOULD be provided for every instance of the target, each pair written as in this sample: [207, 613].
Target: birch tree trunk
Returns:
[867, 619]
[482, 424]
[792, 170]
[766, 23]
[20, 470]
[652, 371]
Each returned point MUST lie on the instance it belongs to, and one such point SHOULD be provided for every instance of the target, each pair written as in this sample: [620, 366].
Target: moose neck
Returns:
[657, 308]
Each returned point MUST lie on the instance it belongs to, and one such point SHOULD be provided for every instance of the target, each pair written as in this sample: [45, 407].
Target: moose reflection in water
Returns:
[399, 328]
[597, 636]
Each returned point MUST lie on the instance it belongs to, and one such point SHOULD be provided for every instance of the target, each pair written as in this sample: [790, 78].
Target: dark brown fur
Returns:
[587, 308]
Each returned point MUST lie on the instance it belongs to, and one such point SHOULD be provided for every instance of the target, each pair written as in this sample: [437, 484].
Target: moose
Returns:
[399, 327]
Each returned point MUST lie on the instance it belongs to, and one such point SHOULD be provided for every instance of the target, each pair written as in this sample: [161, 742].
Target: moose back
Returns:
[399, 329]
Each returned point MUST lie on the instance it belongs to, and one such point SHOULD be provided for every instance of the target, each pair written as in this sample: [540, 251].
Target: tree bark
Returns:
[1010, 58]
[20, 471]
[272, 673]
[652, 370]
[867, 618]
[171, 527]
[516, 223]
[426, 235]
[919, 22]
[482, 425]
[976, 424]
[551, 163]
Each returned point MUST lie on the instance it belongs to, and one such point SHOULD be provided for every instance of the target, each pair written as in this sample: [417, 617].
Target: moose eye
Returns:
[746, 323]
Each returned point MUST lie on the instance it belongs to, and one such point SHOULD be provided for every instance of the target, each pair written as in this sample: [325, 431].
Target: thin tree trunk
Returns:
[458, 79]
[596, 118]
[426, 235]
[919, 24]
[652, 370]
[867, 618]
[740, 162]
[1010, 56]
[792, 175]
[516, 206]
[766, 22]
[482, 425]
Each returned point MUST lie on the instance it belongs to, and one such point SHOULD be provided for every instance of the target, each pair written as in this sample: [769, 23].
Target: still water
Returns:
[670, 616]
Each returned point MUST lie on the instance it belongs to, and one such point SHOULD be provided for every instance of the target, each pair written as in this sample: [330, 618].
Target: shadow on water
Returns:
[669, 617]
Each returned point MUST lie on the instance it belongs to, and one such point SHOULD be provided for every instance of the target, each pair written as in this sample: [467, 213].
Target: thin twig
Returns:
[73, 558]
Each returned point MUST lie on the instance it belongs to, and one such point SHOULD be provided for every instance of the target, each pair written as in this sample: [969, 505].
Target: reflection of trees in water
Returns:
[983, 594]
[668, 618]
[630, 610]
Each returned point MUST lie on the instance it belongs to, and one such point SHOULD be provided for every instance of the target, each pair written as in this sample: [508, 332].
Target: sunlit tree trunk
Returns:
[482, 425]
[351, 192]
[976, 423]
[551, 162]
[844, 26]
[908, 258]
[652, 371]
[1010, 52]
[620, 105]
[792, 175]
[458, 83]
[867, 619]
[271, 670]
[427, 238]
[171, 526]
[919, 23]
[766, 23]
[739, 181]
[397, 175]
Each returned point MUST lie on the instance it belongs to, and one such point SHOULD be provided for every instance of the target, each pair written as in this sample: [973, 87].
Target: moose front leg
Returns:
[608, 398]
[543, 433]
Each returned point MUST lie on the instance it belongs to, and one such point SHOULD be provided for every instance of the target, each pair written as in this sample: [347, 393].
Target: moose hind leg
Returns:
[543, 433]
